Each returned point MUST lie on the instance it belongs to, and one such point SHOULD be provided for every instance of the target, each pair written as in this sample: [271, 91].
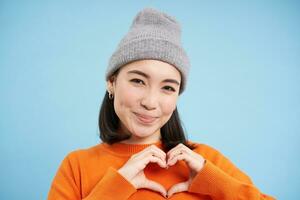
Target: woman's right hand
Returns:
[133, 169]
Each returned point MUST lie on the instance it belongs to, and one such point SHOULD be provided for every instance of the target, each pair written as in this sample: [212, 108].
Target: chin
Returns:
[142, 133]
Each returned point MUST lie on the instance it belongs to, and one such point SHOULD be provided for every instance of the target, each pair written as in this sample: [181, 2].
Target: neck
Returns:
[150, 139]
[142, 140]
[128, 149]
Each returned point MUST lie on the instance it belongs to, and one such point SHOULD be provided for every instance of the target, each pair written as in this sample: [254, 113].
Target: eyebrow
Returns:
[147, 76]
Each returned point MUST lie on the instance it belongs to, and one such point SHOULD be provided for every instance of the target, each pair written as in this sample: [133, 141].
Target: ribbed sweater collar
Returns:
[128, 149]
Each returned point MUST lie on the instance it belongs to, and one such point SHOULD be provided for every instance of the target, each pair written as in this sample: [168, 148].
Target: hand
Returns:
[133, 169]
[194, 161]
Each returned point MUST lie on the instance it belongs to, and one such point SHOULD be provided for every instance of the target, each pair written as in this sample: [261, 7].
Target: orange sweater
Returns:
[91, 174]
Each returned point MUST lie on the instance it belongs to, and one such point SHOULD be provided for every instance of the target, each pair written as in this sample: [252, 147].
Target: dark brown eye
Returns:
[170, 88]
[135, 80]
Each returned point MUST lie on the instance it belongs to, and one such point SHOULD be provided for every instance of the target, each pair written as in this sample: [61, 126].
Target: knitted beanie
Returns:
[152, 35]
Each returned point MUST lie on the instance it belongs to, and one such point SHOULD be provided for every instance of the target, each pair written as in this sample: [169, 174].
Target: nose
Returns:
[150, 100]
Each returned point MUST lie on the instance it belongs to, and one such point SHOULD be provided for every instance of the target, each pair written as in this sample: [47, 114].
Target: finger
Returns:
[152, 185]
[195, 164]
[178, 146]
[154, 147]
[175, 159]
[154, 154]
[154, 150]
[187, 158]
[159, 153]
[184, 149]
[176, 152]
[179, 187]
[154, 159]
[159, 150]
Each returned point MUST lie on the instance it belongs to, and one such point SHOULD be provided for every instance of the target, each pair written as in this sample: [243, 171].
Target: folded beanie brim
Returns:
[150, 48]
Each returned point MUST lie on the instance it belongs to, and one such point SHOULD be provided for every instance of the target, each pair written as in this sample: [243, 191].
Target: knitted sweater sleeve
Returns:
[220, 179]
[66, 184]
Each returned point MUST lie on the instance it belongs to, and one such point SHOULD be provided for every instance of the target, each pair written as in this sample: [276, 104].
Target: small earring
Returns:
[110, 95]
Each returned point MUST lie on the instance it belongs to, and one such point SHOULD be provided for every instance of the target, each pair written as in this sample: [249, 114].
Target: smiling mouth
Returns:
[145, 119]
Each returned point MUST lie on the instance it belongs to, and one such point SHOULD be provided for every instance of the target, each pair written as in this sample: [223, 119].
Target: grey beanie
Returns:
[152, 35]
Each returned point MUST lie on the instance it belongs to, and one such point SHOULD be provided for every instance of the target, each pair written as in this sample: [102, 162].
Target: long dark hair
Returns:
[172, 132]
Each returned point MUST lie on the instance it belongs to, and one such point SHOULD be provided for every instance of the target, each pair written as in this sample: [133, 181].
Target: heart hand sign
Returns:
[133, 169]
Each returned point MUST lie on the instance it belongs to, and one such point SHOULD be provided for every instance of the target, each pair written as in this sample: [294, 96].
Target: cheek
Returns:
[168, 106]
[126, 97]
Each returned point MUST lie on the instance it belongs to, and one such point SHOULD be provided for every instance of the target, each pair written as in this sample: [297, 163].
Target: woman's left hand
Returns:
[194, 161]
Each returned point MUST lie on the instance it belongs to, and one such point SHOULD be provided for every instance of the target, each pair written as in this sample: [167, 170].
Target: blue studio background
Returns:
[242, 97]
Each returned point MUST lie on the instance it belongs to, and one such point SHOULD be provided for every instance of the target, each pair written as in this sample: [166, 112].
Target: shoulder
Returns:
[204, 149]
[212, 154]
[84, 154]
[221, 161]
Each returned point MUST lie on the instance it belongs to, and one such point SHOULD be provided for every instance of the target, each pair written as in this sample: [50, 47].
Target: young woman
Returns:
[144, 153]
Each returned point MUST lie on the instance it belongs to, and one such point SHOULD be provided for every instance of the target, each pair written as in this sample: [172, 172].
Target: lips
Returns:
[146, 119]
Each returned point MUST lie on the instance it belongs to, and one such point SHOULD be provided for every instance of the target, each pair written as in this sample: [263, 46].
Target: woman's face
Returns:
[145, 95]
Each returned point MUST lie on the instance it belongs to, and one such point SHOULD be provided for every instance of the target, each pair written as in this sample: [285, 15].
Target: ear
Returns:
[110, 84]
